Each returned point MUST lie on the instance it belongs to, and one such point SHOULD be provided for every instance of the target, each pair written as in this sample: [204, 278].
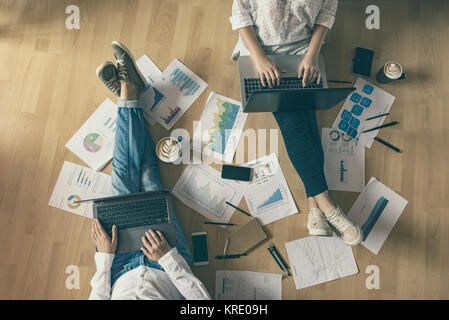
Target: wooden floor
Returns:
[48, 89]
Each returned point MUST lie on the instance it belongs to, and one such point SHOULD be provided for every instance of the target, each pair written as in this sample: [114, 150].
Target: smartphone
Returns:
[199, 246]
[362, 63]
[236, 173]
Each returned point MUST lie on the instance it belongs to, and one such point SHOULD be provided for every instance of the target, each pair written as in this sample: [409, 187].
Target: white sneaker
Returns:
[348, 231]
[317, 223]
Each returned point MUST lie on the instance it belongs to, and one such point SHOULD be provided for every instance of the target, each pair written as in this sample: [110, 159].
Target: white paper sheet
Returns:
[151, 72]
[268, 195]
[376, 211]
[201, 188]
[315, 260]
[366, 102]
[221, 126]
[76, 182]
[172, 94]
[247, 285]
[94, 141]
[344, 161]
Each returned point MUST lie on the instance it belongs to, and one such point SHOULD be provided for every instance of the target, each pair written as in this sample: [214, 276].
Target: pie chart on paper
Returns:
[93, 142]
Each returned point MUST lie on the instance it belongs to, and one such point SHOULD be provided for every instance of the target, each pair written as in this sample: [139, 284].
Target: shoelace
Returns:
[122, 71]
[337, 219]
[114, 85]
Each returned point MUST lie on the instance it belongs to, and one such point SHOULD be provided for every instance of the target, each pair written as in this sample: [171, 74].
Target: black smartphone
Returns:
[236, 173]
[362, 63]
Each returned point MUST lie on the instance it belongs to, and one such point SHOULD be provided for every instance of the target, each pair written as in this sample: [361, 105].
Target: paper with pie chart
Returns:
[267, 194]
[94, 141]
[201, 188]
[77, 183]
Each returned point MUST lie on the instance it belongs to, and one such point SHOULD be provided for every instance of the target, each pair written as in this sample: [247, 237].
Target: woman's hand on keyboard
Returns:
[309, 70]
[268, 72]
[102, 240]
[154, 245]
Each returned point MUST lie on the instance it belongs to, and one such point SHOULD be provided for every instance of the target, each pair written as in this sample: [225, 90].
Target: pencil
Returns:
[220, 223]
[237, 208]
[231, 256]
[382, 126]
[379, 116]
[385, 143]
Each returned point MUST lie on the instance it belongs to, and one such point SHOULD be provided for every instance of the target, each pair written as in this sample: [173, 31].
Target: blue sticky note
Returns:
[354, 123]
[366, 102]
[357, 110]
[346, 115]
[356, 97]
[343, 125]
[352, 132]
[368, 89]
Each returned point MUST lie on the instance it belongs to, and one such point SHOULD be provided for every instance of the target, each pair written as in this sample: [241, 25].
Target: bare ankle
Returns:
[128, 91]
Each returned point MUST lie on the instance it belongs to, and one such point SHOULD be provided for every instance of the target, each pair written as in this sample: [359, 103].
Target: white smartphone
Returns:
[199, 246]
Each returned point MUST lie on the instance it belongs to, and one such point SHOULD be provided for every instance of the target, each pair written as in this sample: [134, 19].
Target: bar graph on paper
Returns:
[185, 84]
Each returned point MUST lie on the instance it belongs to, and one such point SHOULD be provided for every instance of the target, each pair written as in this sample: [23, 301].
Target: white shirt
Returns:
[281, 23]
[144, 283]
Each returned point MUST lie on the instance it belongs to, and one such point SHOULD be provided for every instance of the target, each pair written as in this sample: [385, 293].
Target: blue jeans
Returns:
[135, 170]
[303, 143]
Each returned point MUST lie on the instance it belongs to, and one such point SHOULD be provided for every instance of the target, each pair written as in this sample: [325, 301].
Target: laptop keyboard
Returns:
[288, 83]
[133, 214]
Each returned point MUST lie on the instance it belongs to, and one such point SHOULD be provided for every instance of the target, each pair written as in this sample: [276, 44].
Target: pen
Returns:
[379, 116]
[237, 208]
[231, 256]
[383, 126]
[385, 143]
[338, 81]
[277, 257]
[220, 223]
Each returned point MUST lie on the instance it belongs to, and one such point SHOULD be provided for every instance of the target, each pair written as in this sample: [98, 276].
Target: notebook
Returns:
[246, 237]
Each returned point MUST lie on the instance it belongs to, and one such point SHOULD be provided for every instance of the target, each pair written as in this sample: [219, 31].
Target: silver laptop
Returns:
[133, 215]
[290, 95]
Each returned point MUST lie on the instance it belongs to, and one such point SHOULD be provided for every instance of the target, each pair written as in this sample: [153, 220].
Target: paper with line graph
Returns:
[201, 188]
[94, 141]
[267, 194]
[220, 129]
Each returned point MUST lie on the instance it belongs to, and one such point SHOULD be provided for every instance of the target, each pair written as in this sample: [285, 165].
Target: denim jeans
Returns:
[303, 143]
[135, 170]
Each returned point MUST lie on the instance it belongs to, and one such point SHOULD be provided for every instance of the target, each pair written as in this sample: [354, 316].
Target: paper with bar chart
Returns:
[376, 211]
[220, 129]
[267, 194]
[77, 183]
[201, 188]
[174, 92]
[94, 141]
[151, 97]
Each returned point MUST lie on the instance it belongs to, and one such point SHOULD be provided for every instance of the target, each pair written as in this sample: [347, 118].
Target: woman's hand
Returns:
[155, 245]
[102, 240]
[309, 70]
[268, 71]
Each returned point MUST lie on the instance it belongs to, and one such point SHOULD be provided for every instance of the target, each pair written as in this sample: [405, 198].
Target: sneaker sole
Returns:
[118, 44]
[100, 68]
[356, 241]
[319, 233]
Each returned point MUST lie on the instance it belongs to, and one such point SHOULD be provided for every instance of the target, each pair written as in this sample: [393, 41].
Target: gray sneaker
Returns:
[108, 74]
[127, 68]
